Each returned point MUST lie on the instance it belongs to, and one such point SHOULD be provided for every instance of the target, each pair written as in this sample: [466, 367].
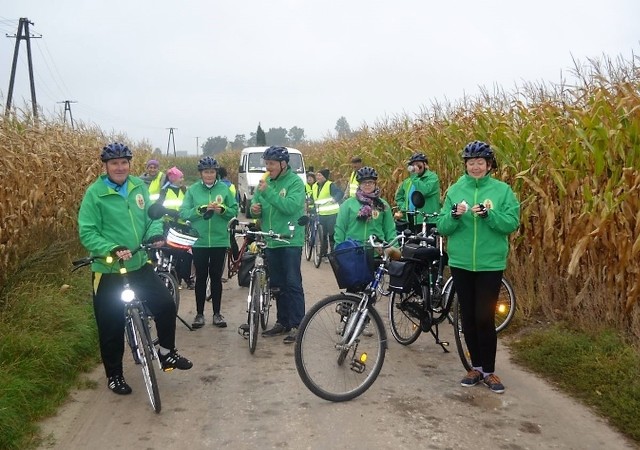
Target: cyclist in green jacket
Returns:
[478, 214]
[209, 205]
[423, 180]
[113, 220]
[366, 213]
[279, 200]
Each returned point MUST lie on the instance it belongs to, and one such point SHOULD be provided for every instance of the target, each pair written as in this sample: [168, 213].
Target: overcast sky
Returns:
[217, 68]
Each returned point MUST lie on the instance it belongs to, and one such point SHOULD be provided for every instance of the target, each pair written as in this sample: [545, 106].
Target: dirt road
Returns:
[231, 399]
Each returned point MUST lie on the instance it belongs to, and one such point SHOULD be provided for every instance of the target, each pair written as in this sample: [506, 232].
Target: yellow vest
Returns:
[325, 204]
[154, 187]
[353, 184]
[173, 201]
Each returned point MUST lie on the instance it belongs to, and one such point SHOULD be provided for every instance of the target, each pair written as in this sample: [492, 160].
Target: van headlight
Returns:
[127, 295]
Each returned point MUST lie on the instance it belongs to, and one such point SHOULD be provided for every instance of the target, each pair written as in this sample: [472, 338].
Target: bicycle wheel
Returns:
[506, 306]
[255, 289]
[317, 256]
[143, 351]
[171, 283]
[404, 317]
[458, 332]
[265, 303]
[308, 241]
[329, 368]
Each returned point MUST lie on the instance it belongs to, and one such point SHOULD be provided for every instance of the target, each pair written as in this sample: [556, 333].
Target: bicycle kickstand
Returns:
[435, 334]
[185, 323]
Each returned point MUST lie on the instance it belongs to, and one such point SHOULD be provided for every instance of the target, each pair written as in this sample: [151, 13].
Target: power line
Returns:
[67, 107]
[172, 137]
[23, 34]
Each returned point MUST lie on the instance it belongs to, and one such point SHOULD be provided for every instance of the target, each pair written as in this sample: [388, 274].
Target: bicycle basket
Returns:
[351, 264]
[402, 275]
[180, 239]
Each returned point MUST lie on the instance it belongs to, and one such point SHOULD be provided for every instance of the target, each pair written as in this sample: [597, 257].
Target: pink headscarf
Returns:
[174, 175]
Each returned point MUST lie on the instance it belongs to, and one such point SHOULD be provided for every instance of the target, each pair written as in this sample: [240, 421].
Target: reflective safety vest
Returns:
[155, 187]
[353, 184]
[171, 200]
[325, 204]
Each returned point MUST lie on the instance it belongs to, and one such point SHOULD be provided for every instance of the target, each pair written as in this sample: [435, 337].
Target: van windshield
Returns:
[256, 163]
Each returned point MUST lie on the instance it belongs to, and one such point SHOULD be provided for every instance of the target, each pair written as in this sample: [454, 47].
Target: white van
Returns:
[252, 168]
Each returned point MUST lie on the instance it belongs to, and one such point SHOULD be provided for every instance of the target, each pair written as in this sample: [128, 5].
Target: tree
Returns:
[261, 138]
[296, 136]
[214, 145]
[252, 141]
[277, 136]
[239, 142]
[157, 151]
[343, 128]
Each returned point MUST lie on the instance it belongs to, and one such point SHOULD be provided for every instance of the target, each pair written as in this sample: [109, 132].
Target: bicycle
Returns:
[260, 291]
[314, 235]
[137, 327]
[342, 341]
[234, 257]
[179, 235]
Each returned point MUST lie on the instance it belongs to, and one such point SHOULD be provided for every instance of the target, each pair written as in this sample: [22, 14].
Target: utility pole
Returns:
[197, 145]
[23, 33]
[172, 137]
[67, 107]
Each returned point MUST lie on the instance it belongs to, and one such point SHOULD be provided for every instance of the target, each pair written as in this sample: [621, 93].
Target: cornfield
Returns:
[570, 151]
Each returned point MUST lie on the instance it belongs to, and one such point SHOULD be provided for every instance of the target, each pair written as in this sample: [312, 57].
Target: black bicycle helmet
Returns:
[274, 153]
[479, 149]
[115, 150]
[416, 157]
[208, 163]
[366, 173]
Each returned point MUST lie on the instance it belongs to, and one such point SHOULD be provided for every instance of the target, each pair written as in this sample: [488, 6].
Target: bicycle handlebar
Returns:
[109, 259]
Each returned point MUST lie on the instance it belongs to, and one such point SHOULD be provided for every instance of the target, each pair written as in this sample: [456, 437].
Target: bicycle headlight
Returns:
[127, 295]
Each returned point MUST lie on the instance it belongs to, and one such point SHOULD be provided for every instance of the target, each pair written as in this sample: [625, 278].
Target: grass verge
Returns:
[47, 340]
[598, 368]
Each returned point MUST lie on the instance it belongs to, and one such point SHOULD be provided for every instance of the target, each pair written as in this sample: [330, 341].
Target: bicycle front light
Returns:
[127, 295]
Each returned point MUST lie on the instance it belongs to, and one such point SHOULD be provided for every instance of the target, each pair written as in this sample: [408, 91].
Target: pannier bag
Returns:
[351, 263]
[402, 275]
[244, 272]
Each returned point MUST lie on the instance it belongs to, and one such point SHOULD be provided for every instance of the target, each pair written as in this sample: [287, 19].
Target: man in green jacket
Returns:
[113, 221]
[423, 180]
[279, 200]
[478, 214]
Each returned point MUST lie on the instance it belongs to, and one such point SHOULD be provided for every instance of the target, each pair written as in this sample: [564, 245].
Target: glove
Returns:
[484, 212]
[454, 211]
[154, 239]
[208, 214]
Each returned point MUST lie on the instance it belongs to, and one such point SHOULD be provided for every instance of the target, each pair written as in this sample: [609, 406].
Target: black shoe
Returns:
[277, 330]
[291, 337]
[117, 385]
[243, 330]
[218, 321]
[173, 360]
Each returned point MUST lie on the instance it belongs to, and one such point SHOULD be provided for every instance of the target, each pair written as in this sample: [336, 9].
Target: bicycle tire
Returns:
[506, 306]
[265, 303]
[458, 332]
[308, 241]
[142, 343]
[403, 309]
[317, 350]
[255, 289]
[171, 283]
[317, 256]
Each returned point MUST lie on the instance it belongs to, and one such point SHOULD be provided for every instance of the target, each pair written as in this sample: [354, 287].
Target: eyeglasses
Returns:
[368, 183]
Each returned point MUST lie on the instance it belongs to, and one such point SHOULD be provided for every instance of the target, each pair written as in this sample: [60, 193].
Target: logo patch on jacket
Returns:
[140, 201]
[219, 199]
[283, 192]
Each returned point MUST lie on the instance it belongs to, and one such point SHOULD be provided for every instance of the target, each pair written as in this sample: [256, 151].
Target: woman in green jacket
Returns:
[478, 214]
[209, 205]
[366, 213]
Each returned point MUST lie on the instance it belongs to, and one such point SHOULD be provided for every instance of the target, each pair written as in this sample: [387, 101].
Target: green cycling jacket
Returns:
[475, 243]
[107, 220]
[282, 202]
[428, 184]
[213, 232]
[348, 226]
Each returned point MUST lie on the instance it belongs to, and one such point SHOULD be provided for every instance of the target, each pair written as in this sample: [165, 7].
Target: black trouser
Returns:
[182, 260]
[109, 311]
[209, 263]
[328, 225]
[478, 295]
